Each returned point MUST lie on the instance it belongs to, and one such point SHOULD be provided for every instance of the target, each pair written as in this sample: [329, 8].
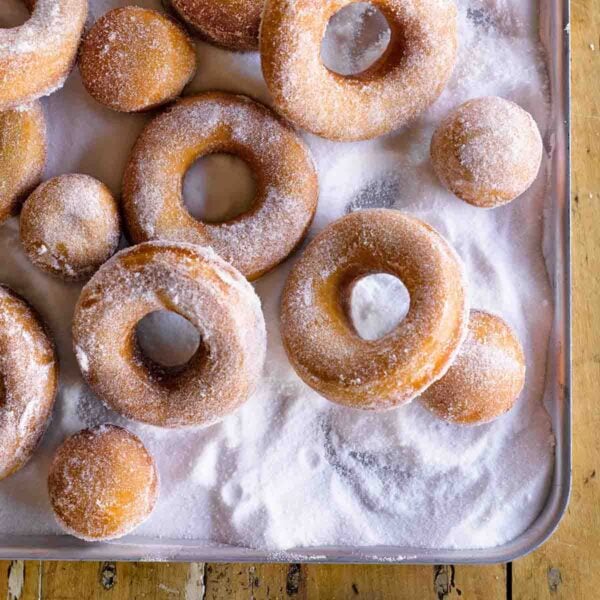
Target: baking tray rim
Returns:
[133, 548]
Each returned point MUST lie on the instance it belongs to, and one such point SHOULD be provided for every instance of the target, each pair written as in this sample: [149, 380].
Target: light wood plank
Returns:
[341, 582]
[568, 566]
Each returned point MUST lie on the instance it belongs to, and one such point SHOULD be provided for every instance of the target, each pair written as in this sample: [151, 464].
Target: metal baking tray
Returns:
[554, 33]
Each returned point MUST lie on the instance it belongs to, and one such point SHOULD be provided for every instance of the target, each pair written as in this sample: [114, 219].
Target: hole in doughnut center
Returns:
[218, 188]
[167, 339]
[378, 303]
[13, 14]
[356, 37]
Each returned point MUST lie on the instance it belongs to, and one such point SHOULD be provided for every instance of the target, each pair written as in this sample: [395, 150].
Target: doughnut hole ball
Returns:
[70, 226]
[486, 377]
[487, 152]
[102, 483]
[134, 59]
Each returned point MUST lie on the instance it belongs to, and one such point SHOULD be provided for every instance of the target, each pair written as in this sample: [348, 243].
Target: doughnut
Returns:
[319, 337]
[22, 154]
[214, 122]
[486, 377]
[134, 59]
[233, 24]
[70, 226]
[36, 57]
[487, 152]
[102, 484]
[28, 381]
[198, 285]
[396, 88]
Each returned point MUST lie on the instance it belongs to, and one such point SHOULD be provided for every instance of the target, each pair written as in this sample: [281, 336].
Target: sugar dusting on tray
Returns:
[290, 470]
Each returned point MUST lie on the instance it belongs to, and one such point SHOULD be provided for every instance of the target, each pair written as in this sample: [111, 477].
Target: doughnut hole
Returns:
[14, 14]
[356, 38]
[166, 342]
[102, 483]
[377, 304]
[218, 188]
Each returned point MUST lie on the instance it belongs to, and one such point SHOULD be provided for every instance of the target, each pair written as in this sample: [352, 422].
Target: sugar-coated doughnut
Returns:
[213, 122]
[37, 56]
[319, 337]
[70, 226]
[401, 84]
[233, 24]
[134, 59]
[103, 483]
[22, 154]
[487, 152]
[28, 381]
[201, 287]
[486, 377]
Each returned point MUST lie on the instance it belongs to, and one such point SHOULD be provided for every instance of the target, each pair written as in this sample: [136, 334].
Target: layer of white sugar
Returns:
[289, 469]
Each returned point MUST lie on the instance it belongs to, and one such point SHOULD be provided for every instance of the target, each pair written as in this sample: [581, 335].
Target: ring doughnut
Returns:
[486, 377]
[286, 180]
[400, 85]
[22, 154]
[487, 152]
[201, 287]
[70, 226]
[36, 57]
[233, 24]
[134, 59]
[319, 338]
[28, 381]
[102, 484]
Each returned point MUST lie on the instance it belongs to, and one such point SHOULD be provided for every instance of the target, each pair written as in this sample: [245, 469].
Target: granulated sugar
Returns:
[289, 469]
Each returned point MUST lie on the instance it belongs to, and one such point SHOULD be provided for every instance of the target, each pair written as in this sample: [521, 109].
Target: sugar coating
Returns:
[102, 483]
[22, 154]
[134, 59]
[233, 24]
[488, 151]
[405, 81]
[201, 287]
[289, 470]
[28, 381]
[486, 378]
[286, 180]
[36, 57]
[70, 226]
[319, 337]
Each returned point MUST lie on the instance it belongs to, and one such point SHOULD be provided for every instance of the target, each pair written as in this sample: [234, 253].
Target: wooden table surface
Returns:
[566, 567]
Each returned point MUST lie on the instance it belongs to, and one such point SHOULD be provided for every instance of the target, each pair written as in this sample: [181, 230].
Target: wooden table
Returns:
[566, 567]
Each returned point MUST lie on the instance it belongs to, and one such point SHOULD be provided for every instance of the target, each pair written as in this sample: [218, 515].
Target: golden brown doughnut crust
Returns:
[319, 338]
[408, 77]
[213, 122]
[22, 155]
[37, 56]
[134, 59]
[487, 152]
[199, 286]
[233, 24]
[102, 483]
[70, 226]
[486, 378]
[28, 381]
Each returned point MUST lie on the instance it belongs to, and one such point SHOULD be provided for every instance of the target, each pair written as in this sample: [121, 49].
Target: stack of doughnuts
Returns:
[467, 367]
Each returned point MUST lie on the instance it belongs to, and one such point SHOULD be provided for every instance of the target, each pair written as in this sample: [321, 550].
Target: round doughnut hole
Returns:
[167, 340]
[13, 14]
[218, 187]
[377, 305]
[356, 37]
